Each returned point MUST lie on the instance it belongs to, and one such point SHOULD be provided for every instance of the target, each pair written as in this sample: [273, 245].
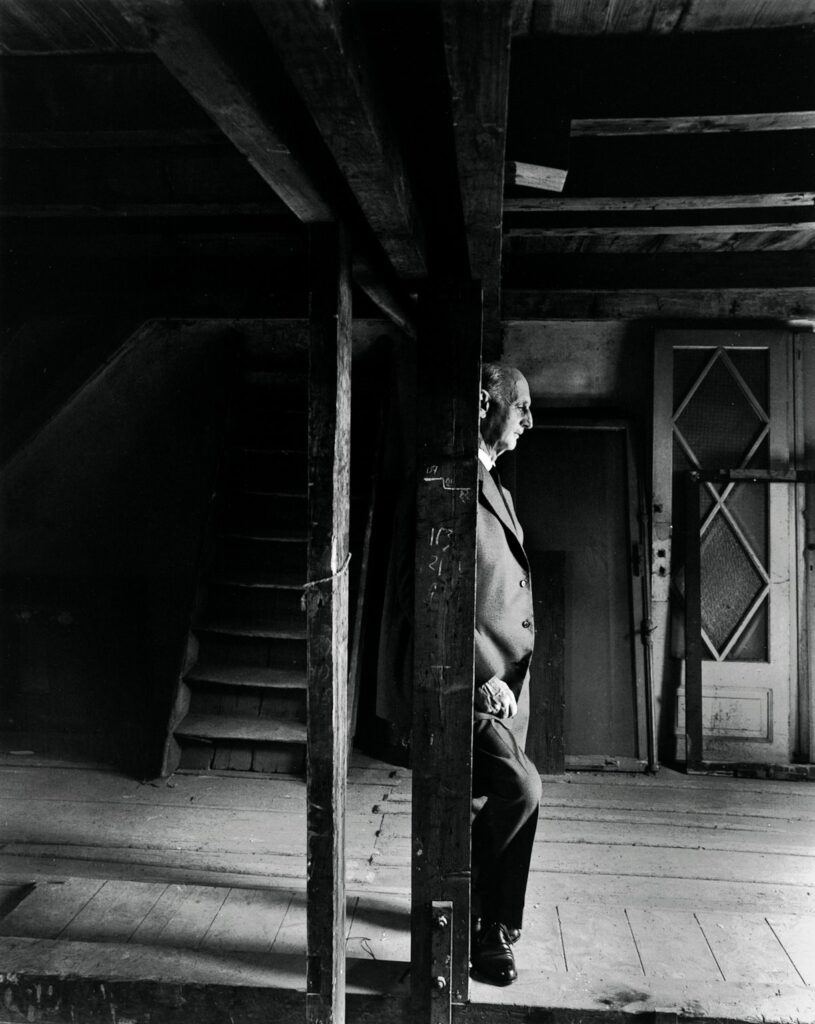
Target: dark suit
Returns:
[504, 827]
[506, 785]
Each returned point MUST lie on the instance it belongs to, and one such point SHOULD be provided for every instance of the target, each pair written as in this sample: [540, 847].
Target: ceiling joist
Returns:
[216, 80]
[183, 47]
[581, 204]
[694, 124]
[659, 303]
[325, 59]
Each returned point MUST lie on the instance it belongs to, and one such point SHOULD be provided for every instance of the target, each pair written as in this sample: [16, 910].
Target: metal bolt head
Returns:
[440, 983]
[440, 921]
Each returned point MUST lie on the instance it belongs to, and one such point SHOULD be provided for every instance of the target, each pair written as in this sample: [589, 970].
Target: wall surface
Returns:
[101, 517]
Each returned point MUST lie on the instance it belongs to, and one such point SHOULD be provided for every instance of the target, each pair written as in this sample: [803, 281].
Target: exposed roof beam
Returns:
[657, 242]
[477, 38]
[694, 124]
[324, 57]
[576, 204]
[659, 303]
[70, 26]
[218, 84]
[188, 54]
[667, 16]
[643, 228]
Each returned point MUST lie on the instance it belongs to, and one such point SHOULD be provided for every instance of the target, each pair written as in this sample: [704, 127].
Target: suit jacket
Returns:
[504, 621]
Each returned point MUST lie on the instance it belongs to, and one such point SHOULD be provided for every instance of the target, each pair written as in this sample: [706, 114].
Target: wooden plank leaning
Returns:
[326, 601]
[447, 481]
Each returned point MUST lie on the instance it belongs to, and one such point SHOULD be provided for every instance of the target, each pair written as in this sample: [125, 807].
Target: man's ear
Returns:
[484, 403]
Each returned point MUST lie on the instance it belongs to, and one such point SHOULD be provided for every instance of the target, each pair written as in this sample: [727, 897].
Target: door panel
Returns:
[574, 495]
[729, 410]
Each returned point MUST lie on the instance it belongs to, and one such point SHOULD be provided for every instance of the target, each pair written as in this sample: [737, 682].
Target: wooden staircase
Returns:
[241, 703]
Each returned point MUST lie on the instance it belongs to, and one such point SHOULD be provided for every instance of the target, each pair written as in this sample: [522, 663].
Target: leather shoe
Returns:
[493, 959]
[513, 934]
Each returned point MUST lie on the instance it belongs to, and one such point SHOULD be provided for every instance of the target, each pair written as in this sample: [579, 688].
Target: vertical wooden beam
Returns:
[477, 41]
[546, 743]
[447, 436]
[327, 619]
[693, 625]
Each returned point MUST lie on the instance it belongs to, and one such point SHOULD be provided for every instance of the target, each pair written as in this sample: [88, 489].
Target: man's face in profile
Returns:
[506, 421]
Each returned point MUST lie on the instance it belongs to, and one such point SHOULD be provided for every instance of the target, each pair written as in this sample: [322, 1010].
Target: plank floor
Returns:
[696, 893]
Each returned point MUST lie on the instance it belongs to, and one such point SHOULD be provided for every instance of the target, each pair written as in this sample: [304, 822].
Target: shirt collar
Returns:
[487, 461]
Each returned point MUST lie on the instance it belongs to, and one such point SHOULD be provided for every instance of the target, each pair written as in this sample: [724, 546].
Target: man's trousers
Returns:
[503, 826]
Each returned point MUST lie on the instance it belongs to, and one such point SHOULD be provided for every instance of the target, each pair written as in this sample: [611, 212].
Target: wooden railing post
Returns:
[447, 481]
[327, 620]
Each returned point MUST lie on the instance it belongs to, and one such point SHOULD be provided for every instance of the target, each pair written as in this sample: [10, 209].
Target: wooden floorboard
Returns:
[644, 891]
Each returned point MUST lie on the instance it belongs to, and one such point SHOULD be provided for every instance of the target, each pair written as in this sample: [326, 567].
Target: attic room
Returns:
[254, 254]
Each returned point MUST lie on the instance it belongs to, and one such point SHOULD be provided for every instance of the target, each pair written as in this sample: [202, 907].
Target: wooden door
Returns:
[723, 401]
[576, 494]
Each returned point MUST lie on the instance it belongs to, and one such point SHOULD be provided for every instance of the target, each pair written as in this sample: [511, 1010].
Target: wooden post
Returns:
[327, 620]
[447, 442]
[693, 625]
[546, 743]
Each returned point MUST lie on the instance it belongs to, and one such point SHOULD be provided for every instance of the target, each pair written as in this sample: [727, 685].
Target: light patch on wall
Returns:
[587, 360]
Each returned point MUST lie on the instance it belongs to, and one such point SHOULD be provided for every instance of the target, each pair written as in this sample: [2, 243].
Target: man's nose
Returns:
[526, 422]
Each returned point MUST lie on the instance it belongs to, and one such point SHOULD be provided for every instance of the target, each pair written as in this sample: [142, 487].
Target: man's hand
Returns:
[496, 698]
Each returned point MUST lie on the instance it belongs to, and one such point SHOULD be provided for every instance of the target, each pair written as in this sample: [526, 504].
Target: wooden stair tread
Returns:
[223, 727]
[249, 675]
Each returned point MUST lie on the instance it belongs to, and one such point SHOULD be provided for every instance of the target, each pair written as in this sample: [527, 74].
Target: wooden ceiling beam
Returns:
[590, 17]
[324, 56]
[190, 56]
[694, 124]
[657, 243]
[718, 227]
[217, 82]
[477, 39]
[585, 204]
[659, 303]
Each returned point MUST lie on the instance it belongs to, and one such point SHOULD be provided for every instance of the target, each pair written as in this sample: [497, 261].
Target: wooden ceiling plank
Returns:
[575, 204]
[656, 243]
[591, 231]
[325, 59]
[659, 303]
[477, 38]
[657, 17]
[188, 54]
[70, 26]
[694, 124]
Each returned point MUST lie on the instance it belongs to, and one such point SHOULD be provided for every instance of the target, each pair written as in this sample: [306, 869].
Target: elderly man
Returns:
[506, 785]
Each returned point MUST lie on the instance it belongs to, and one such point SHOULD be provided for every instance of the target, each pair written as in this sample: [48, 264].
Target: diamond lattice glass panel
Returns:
[753, 644]
[760, 458]
[752, 365]
[688, 365]
[719, 423]
[747, 503]
[730, 582]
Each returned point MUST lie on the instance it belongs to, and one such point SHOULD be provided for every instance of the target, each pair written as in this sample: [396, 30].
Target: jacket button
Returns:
[526, 623]
[524, 583]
